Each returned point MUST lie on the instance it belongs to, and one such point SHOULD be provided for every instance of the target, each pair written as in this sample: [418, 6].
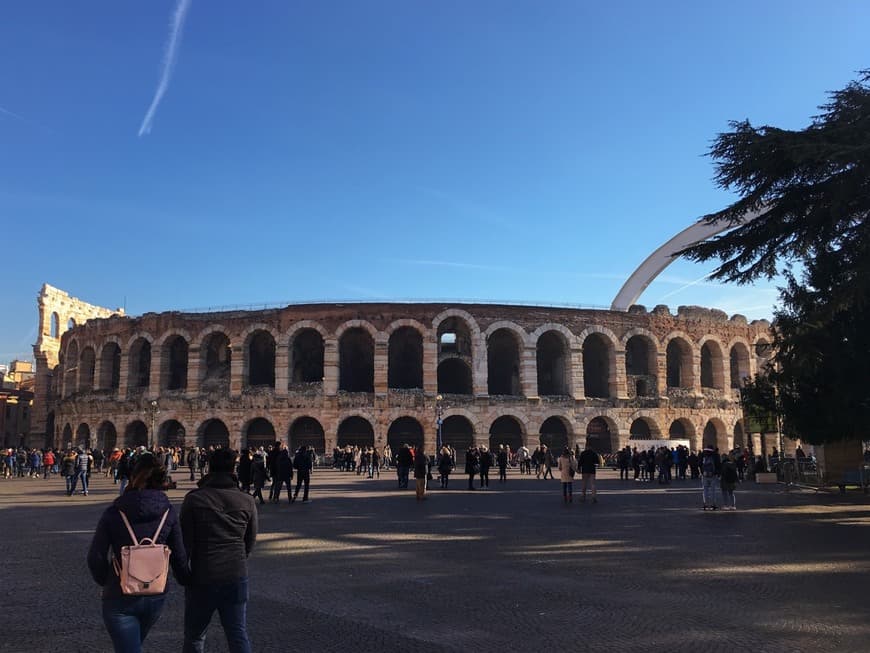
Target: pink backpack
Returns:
[144, 566]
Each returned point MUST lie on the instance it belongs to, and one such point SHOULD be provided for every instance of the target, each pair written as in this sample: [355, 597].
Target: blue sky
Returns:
[528, 151]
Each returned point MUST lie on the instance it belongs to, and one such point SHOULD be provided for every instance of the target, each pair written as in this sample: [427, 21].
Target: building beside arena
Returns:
[376, 373]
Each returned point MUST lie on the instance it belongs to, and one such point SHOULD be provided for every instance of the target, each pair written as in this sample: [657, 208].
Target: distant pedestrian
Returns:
[728, 482]
[567, 471]
[472, 465]
[283, 474]
[485, 463]
[258, 474]
[502, 462]
[421, 471]
[588, 462]
[710, 470]
[302, 463]
[445, 466]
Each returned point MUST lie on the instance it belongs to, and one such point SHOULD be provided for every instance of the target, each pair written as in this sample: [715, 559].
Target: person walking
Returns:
[728, 483]
[146, 510]
[219, 525]
[84, 462]
[548, 462]
[421, 471]
[472, 465]
[710, 469]
[283, 474]
[445, 466]
[258, 474]
[502, 462]
[302, 463]
[587, 463]
[567, 471]
[485, 463]
[68, 471]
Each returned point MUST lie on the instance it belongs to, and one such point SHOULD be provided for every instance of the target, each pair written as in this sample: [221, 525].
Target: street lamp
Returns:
[439, 410]
[154, 409]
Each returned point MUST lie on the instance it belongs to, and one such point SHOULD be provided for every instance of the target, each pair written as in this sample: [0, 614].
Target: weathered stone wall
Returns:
[237, 404]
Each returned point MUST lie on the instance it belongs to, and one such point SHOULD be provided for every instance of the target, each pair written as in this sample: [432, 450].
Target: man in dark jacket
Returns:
[303, 463]
[587, 463]
[219, 524]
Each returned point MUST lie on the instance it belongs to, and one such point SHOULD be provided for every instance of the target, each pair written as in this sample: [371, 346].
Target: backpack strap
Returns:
[130, 529]
[160, 527]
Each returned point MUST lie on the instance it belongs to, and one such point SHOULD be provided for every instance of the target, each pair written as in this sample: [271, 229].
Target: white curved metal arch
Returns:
[662, 257]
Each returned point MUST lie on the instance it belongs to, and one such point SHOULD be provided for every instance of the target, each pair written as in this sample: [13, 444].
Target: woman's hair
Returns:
[147, 474]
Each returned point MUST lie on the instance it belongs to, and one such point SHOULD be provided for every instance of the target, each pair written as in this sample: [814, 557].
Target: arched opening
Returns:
[70, 324]
[457, 432]
[405, 354]
[261, 360]
[454, 338]
[554, 434]
[136, 434]
[405, 430]
[503, 363]
[355, 431]
[554, 365]
[83, 436]
[713, 436]
[677, 430]
[356, 353]
[54, 328]
[216, 362]
[307, 357]
[107, 436]
[110, 366]
[506, 430]
[259, 433]
[71, 369]
[67, 436]
[711, 366]
[739, 364]
[598, 435]
[87, 364]
[139, 375]
[214, 433]
[763, 354]
[174, 364]
[171, 434]
[454, 377]
[596, 366]
[307, 430]
[679, 364]
[640, 366]
[639, 430]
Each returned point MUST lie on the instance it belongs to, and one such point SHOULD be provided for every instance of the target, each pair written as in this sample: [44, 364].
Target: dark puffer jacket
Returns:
[144, 510]
[219, 523]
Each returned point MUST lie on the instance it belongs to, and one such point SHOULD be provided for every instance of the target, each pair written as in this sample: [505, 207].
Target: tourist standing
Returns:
[421, 471]
[471, 465]
[710, 470]
[302, 463]
[258, 474]
[145, 509]
[219, 524]
[445, 466]
[485, 463]
[728, 482]
[283, 474]
[587, 463]
[502, 461]
[567, 470]
[404, 460]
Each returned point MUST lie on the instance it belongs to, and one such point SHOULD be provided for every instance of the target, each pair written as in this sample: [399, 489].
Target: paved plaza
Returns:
[365, 567]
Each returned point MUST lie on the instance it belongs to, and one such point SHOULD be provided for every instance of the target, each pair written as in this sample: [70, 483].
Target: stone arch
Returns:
[455, 377]
[738, 362]
[355, 430]
[260, 347]
[139, 361]
[136, 434]
[71, 368]
[712, 362]
[643, 427]
[107, 435]
[553, 362]
[509, 430]
[174, 353]
[160, 341]
[171, 433]
[71, 324]
[67, 435]
[215, 358]
[739, 435]
[763, 350]
[87, 369]
[83, 436]
[599, 364]
[356, 359]
[715, 434]
[307, 430]
[641, 363]
[601, 433]
[258, 432]
[476, 423]
[679, 361]
[307, 345]
[213, 432]
[54, 325]
[464, 316]
[405, 430]
[357, 324]
[405, 355]
[682, 428]
[504, 347]
[110, 364]
[555, 432]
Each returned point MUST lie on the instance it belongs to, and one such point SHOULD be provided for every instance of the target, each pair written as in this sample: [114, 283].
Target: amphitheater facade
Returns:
[372, 373]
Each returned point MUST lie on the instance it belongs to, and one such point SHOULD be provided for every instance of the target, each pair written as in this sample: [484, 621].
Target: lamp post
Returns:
[439, 410]
[154, 409]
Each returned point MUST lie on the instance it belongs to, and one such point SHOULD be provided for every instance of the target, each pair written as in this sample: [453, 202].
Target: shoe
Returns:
[594, 500]
[304, 500]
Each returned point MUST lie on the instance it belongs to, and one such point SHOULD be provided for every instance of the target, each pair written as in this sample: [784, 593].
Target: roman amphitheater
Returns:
[371, 373]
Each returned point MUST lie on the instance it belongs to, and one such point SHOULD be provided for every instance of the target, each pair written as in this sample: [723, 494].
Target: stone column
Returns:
[478, 367]
[529, 371]
[194, 361]
[430, 367]
[282, 369]
[620, 377]
[154, 380]
[330, 367]
[237, 370]
[381, 364]
[124, 376]
[577, 386]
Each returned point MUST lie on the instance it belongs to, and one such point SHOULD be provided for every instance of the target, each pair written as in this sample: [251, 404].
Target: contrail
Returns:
[169, 57]
[688, 285]
[13, 114]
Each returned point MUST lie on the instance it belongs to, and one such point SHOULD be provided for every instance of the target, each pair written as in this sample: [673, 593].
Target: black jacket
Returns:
[219, 523]
[144, 510]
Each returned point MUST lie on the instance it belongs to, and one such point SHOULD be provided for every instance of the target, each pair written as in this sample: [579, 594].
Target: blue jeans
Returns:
[231, 602]
[402, 472]
[84, 478]
[708, 489]
[70, 483]
[128, 620]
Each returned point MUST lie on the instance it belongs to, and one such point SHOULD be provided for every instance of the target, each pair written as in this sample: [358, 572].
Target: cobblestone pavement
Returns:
[365, 567]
